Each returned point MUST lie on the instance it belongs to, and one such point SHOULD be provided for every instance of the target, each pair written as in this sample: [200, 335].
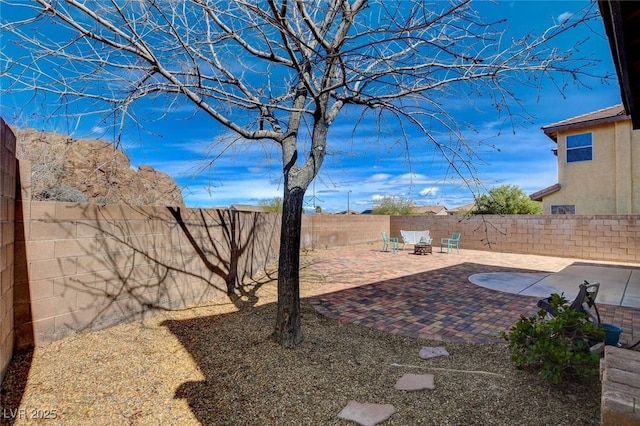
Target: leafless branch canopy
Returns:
[281, 70]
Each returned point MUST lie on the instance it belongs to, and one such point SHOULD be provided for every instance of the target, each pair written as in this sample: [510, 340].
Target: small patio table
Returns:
[422, 248]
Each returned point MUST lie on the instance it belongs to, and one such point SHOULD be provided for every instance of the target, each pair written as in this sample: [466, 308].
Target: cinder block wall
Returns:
[615, 238]
[8, 170]
[82, 267]
[322, 231]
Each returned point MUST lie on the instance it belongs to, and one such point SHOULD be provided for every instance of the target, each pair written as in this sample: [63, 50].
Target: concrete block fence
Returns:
[322, 231]
[8, 178]
[612, 238]
[81, 266]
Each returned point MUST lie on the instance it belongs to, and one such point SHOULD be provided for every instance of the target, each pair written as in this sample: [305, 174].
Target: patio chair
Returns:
[386, 240]
[452, 242]
[584, 301]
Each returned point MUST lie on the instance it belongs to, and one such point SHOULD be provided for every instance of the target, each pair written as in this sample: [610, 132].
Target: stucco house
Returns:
[598, 165]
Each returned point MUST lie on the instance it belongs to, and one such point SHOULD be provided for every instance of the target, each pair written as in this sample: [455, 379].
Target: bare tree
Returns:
[283, 71]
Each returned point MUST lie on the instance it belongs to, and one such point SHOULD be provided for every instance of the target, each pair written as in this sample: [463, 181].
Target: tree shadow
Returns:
[213, 342]
[225, 243]
[222, 346]
[134, 260]
[227, 262]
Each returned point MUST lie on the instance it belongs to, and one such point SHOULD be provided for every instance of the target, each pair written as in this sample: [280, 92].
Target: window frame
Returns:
[579, 146]
[564, 207]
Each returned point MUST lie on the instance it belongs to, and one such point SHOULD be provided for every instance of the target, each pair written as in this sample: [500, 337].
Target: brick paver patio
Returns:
[431, 297]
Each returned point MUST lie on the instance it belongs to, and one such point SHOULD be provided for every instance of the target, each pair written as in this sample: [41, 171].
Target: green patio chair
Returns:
[386, 240]
[452, 242]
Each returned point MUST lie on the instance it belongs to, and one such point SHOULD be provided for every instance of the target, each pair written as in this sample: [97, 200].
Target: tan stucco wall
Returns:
[608, 184]
[635, 172]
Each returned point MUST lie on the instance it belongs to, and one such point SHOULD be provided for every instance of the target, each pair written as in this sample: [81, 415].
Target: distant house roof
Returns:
[537, 196]
[622, 24]
[601, 116]
[466, 208]
[246, 208]
[430, 210]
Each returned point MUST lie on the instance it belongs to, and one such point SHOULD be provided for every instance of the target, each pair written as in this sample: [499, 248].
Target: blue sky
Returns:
[362, 167]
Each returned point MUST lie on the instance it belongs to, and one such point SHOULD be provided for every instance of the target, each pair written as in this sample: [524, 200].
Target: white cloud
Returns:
[247, 191]
[429, 191]
[173, 108]
[565, 16]
[379, 177]
[412, 179]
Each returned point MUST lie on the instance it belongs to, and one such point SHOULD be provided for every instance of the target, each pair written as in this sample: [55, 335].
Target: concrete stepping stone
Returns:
[366, 414]
[415, 382]
[432, 352]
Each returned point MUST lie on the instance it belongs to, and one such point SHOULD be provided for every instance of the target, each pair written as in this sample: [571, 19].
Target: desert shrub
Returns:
[558, 346]
[64, 193]
[273, 205]
[393, 205]
[507, 199]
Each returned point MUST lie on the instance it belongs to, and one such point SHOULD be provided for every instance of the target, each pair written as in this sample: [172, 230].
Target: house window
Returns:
[579, 148]
[563, 209]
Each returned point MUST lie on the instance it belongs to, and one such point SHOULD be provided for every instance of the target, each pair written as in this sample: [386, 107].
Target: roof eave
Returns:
[538, 196]
[617, 22]
[552, 131]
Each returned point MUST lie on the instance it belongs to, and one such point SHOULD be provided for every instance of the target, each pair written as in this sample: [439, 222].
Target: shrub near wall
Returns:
[613, 238]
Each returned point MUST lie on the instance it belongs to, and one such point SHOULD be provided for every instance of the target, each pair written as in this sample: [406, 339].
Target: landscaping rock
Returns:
[415, 382]
[428, 353]
[366, 414]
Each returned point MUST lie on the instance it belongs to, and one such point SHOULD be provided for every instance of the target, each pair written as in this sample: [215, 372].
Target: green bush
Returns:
[506, 199]
[559, 346]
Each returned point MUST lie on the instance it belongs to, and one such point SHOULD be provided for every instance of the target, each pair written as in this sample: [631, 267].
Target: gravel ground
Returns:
[217, 365]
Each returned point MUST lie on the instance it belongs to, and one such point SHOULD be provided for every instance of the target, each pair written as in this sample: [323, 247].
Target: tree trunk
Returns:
[288, 332]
